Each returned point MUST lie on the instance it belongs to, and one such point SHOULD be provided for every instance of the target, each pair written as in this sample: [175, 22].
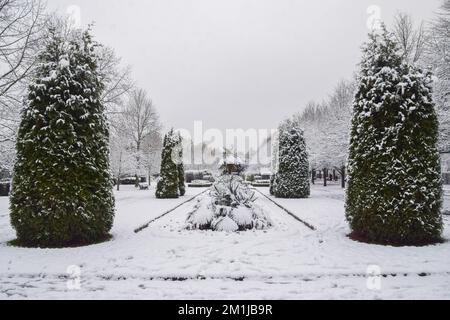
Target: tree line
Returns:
[327, 123]
[394, 194]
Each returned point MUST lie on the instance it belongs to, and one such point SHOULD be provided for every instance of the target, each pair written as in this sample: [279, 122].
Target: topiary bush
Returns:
[292, 178]
[394, 191]
[231, 208]
[62, 190]
[168, 184]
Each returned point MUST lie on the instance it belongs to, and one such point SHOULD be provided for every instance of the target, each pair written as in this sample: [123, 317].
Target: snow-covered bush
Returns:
[168, 184]
[231, 191]
[292, 178]
[230, 207]
[62, 189]
[394, 191]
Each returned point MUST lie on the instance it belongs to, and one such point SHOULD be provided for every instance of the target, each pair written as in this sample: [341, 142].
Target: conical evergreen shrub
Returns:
[168, 184]
[292, 179]
[394, 191]
[62, 190]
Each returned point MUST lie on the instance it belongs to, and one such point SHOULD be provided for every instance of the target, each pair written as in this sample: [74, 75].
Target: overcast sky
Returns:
[237, 63]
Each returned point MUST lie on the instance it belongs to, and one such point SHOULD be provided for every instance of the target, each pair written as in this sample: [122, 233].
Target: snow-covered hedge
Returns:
[229, 206]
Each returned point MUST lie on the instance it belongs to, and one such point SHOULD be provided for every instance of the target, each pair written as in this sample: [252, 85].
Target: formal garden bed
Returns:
[230, 205]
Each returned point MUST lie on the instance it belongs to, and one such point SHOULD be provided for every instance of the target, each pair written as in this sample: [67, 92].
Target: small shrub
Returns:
[231, 207]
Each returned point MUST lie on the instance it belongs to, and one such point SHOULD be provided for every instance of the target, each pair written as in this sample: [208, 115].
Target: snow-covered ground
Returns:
[165, 261]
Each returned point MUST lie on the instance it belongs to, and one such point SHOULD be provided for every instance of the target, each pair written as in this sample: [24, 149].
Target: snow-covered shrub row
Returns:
[229, 206]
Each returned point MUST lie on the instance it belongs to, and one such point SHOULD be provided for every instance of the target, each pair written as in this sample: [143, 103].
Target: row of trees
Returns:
[136, 141]
[394, 193]
[21, 26]
[327, 127]
[386, 126]
[327, 124]
[439, 58]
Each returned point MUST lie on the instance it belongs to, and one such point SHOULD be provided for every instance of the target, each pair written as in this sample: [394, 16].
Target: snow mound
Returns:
[225, 224]
[243, 216]
[200, 218]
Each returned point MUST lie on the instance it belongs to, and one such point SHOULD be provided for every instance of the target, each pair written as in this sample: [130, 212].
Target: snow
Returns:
[64, 63]
[228, 206]
[225, 224]
[231, 159]
[287, 261]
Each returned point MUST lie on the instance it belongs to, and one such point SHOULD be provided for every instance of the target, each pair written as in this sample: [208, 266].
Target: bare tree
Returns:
[430, 48]
[139, 121]
[438, 56]
[153, 146]
[339, 134]
[122, 158]
[21, 26]
[327, 129]
[117, 79]
[412, 40]
[21, 23]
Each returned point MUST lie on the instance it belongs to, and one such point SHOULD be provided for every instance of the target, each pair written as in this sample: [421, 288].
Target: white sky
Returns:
[237, 63]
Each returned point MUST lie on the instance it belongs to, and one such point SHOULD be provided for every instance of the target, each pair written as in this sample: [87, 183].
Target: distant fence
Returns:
[446, 177]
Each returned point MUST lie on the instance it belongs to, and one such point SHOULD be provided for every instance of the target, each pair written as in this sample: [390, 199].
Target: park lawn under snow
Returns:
[165, 261]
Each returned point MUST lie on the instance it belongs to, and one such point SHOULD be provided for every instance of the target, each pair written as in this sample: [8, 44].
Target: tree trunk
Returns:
[343, 176]
[149, 176]
[138, 160]
[120, 172]
[138, 181]
[325, 177]
[149, 169]
[313, 176]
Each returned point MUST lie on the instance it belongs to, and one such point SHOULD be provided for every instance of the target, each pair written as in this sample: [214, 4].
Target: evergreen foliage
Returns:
[168, 184]
[62, 189]
[394, 191]
[292, 179]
